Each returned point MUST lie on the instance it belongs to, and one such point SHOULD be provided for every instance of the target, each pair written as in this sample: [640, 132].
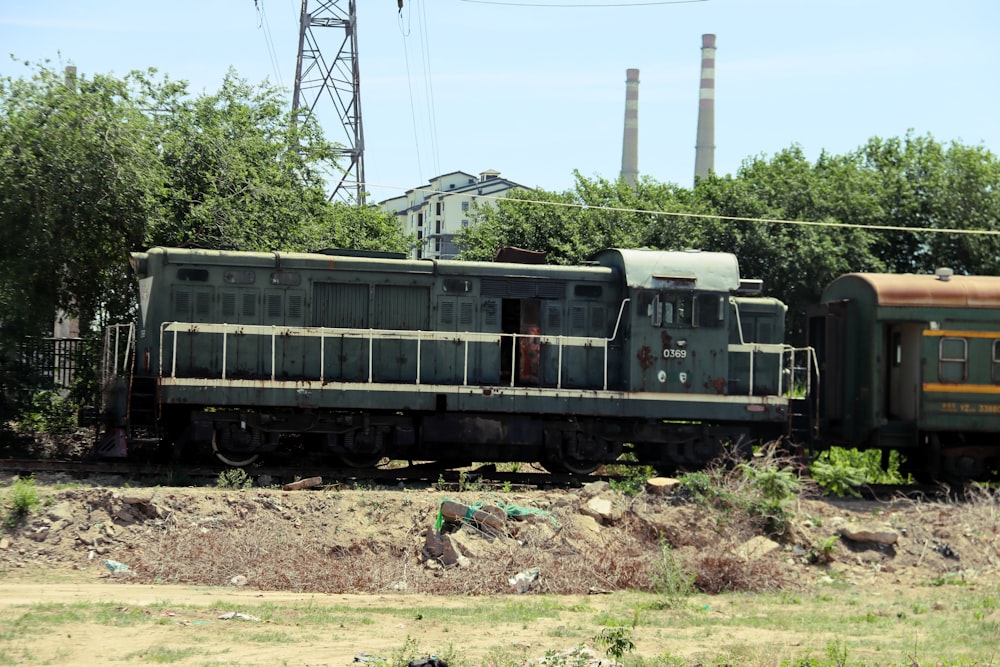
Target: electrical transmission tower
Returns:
[320, 83]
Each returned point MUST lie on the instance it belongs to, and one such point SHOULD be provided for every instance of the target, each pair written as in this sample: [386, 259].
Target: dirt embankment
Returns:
[367, 540]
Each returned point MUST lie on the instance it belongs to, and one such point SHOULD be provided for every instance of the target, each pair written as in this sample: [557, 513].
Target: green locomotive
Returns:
[362, 356]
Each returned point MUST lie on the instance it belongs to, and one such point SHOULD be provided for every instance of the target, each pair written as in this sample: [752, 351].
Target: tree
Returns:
[239, 174]
[573, 225]
[94, 168]
[79, 178]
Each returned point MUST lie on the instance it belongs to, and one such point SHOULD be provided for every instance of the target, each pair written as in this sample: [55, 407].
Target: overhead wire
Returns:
[577, 5]
[405, 30]
[262, 24]
[429, 88]
[721, 218]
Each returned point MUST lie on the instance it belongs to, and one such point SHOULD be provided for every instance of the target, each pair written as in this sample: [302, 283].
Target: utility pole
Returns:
[321, 84]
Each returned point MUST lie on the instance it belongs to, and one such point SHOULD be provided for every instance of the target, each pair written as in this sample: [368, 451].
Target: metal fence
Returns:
[54, 363]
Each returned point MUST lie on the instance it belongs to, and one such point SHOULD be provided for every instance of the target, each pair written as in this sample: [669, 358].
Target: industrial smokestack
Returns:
[704, 150]
[630, 141]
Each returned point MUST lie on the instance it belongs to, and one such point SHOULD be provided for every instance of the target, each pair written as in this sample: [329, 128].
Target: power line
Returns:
[722, 218]
[579, 5]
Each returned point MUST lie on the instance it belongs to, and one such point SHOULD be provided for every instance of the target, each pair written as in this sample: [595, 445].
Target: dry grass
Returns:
[272, 556]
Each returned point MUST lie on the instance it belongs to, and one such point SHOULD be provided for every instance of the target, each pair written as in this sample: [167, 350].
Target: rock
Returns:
[439, 548]
[307, 483]
[239, 615]
[61, 512]
[453, 512]
[880, 534]
[756, 548]
[38, 534]
[594, 489]
[465, 543]
[601, 509]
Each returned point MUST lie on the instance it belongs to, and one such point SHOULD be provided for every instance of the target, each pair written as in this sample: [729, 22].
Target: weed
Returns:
[49, 413]
[234, 478]
[631, 480]
[823, 551]
[616, 642]
[21, 500]
[838, 478]
[672, 578]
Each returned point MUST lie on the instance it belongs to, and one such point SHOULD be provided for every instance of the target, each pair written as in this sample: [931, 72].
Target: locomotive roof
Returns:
[658, 268]
[907, 289]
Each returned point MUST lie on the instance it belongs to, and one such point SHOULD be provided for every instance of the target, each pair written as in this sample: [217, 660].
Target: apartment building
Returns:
[435, 213]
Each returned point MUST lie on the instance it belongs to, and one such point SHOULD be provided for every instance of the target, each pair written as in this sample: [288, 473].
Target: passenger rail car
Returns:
[912, 363]
[669, 354]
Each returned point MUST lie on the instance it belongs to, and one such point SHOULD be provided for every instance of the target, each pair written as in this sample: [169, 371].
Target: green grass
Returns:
[827, 627]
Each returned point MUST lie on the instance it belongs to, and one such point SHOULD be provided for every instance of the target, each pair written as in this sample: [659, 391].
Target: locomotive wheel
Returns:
[235, 459]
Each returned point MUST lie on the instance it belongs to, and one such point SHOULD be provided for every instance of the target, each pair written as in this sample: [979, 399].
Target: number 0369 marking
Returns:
[671, 353]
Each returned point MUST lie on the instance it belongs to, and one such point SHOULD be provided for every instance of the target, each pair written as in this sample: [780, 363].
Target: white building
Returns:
[436, 212]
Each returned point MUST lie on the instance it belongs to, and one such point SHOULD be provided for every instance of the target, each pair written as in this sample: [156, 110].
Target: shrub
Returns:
[672, 577]
[234, 478]
[21, 500]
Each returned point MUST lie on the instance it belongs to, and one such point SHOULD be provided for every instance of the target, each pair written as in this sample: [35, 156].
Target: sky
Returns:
[536, 89]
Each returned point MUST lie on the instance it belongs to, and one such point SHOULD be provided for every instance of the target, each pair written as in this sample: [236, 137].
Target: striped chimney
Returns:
[704, 150]
[630, 141]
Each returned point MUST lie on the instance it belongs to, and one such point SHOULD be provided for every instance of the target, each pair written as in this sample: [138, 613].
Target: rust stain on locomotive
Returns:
[645, 357]
[718, 384]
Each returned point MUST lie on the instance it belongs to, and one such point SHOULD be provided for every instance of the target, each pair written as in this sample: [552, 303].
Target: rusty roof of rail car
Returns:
[891, 289]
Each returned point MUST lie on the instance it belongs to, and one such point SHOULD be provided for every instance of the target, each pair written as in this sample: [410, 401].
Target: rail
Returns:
[798, 371]
[170, 332]
[119, 347]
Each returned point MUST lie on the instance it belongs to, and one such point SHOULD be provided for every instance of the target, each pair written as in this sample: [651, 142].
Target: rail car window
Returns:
[996, 361]
[952, 359]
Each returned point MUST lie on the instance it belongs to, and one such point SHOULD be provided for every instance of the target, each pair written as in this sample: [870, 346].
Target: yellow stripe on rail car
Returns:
[961, 334]
[946, 388]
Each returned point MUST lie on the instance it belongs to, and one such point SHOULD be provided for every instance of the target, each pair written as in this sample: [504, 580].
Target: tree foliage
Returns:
[94, 168]
[795, 224]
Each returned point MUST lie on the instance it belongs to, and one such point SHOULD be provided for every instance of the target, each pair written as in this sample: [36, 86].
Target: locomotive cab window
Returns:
[952, 359]
[665, 309]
